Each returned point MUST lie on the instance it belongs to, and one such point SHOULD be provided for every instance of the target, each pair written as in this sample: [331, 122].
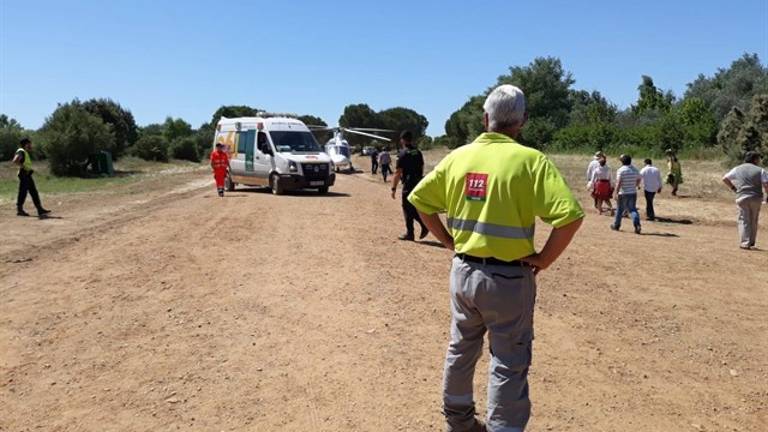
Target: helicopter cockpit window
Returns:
[291, 141]
[344, 151]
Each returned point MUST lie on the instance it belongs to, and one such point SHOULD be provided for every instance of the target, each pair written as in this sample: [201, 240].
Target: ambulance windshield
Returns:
[294, 142]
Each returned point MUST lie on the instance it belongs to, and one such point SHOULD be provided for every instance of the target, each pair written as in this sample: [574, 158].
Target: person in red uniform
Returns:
[220, 165]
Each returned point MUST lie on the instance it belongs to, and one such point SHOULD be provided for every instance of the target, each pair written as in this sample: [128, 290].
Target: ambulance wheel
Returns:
[229, 184]
[274, 183]
[323, 190]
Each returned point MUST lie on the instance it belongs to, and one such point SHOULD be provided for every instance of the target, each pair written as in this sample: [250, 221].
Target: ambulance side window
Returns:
[241, 142]
[262, 143]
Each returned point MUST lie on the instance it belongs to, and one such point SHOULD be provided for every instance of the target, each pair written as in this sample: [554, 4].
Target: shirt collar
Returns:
[493, 137]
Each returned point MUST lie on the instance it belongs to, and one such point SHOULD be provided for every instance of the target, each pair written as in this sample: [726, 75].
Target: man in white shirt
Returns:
[652, 184]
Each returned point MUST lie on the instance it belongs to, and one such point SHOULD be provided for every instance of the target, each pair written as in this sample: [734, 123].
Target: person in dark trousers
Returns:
[651, 185]
[374, 161]
[409, 168]
[384, 161]
[23, 159]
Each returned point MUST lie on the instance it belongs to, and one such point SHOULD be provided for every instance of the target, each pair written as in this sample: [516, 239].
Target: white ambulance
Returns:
[277, 152]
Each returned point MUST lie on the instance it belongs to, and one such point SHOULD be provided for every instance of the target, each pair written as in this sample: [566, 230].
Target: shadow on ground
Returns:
[674, 221]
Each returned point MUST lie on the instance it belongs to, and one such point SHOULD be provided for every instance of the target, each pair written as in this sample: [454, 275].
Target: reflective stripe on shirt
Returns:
[495, 230]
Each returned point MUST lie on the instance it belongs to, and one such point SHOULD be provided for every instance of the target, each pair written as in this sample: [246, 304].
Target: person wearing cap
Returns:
[410, 169]
[491, 191]
[627, 182]
[23, 159]
[748, 181]
[594, 164]
[220, 166]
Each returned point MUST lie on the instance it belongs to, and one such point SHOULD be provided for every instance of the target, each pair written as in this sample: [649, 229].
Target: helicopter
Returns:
[338, 148]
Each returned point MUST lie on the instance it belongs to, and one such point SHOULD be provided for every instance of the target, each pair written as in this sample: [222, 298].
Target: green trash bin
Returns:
[101, 163]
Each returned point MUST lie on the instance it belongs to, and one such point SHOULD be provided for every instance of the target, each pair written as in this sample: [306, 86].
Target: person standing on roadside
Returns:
[409, 169]
[675, 174]
[384, 161]
[627, 182]
[220, 166]
[651, 185]
[748, 181]
[491, 191]
[23, 159]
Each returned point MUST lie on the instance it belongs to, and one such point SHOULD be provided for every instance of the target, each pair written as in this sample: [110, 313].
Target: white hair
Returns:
[505, 106]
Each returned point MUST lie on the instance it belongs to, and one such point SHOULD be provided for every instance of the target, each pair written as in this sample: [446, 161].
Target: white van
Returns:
[277, 152]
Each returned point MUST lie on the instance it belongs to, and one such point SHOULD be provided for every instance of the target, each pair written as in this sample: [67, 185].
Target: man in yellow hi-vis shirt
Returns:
[492, 190]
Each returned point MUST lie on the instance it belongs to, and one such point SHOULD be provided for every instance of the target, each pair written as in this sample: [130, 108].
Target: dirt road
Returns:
[183, 311]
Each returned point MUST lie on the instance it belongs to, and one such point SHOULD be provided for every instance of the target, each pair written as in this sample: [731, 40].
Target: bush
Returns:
[185, 149]
[10, 135]
[151, 148]
[70, 135]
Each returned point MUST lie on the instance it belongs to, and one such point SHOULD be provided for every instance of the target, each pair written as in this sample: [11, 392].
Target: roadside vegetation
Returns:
[719, 117]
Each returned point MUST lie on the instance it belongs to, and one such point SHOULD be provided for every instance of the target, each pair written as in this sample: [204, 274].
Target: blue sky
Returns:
[186, 58]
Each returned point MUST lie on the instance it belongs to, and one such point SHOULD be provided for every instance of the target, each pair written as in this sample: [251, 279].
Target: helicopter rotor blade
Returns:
[371, 129]
[366, 134]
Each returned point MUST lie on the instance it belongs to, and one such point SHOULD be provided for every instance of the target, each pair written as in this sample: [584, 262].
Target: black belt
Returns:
[490, 261]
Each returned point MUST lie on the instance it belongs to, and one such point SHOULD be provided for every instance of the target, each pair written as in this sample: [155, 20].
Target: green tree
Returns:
[174, 129]
[591, 108]
[185, 148]
[122, 122]
[651, 98]
[466, 124]
[698, 122]
[359, 115]
[70, 135]
[740, 133]
[730, 87]
[547, 89]
[11, 133]
[231, 111]
[152, 148]
[400, 119]
[151, 129]
[204, 140]
[311, 120]
[728, 135]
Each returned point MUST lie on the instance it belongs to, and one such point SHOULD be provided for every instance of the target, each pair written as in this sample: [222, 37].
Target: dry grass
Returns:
[703, 199]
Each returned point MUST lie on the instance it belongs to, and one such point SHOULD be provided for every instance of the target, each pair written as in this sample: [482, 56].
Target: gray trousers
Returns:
[499, 300]
[749, 211]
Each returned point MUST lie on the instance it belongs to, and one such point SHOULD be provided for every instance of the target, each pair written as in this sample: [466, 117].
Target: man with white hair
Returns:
[492, 190]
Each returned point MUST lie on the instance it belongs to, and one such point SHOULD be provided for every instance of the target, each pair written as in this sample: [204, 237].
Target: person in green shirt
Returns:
[492, 190]
[675, 174]
[23, 159]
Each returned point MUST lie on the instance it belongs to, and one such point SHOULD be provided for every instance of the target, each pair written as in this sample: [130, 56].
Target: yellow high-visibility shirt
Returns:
[492, 190]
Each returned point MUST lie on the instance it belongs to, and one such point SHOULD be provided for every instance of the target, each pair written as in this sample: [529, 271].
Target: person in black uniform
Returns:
[23, 159]
[409, 168]
[374, 160]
